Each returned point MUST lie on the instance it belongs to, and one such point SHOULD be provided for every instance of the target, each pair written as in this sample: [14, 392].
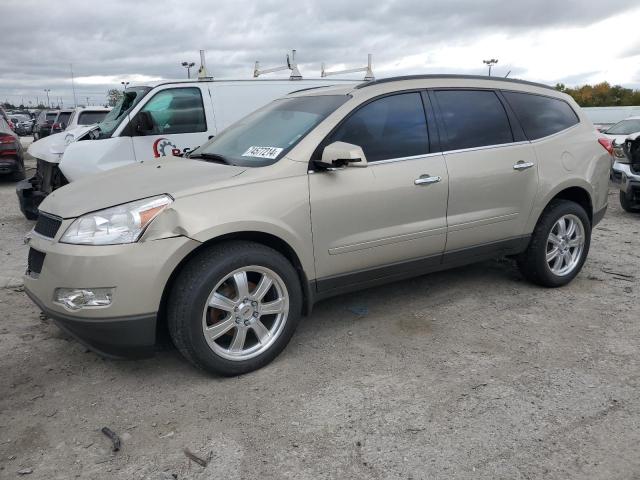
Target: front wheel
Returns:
[234, 307]
[559, 245]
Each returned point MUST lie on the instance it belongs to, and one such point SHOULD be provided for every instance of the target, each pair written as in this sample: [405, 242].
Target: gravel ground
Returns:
[471, 373]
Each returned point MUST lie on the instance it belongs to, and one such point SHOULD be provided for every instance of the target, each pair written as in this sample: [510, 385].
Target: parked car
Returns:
[22, 124]
[83, 116]
[167, 118]
[618, 132]
[5, 117]
[11, 152]
[319, 193]
[61, 121]
[626, 172]
[42, 126]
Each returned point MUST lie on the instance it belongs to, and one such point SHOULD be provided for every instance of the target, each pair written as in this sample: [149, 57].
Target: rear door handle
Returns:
[523, 165]
[426, 180]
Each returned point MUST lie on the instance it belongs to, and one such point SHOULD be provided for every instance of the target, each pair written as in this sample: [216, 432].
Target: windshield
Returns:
[266, 135]
[130, 98]
[625, 127]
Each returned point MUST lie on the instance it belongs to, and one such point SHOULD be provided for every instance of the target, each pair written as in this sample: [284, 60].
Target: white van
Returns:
[151, 121]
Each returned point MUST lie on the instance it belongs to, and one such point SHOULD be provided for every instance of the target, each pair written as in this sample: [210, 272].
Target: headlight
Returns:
[121, 224]
[68, 138]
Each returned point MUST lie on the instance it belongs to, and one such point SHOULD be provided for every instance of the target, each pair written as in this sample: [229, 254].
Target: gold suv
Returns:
[321, 192]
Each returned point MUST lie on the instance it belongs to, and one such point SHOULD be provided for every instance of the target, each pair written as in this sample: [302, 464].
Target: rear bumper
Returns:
[123, 337]
[10, 164]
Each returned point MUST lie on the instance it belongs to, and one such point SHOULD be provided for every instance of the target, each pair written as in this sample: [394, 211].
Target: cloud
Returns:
[107, 42]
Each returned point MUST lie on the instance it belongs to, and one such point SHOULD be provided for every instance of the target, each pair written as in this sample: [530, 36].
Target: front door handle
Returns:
[426, 180]
[521, 165]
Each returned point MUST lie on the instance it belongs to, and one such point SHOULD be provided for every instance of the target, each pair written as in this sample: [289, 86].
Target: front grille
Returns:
[47, 225]
[36, 259]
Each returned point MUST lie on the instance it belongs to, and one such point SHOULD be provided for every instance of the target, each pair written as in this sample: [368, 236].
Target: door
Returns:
[387, 218]
[180, 123]
[493, 177]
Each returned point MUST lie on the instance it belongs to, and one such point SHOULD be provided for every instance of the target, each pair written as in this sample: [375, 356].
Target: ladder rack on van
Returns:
[291, 65]
[368, 70]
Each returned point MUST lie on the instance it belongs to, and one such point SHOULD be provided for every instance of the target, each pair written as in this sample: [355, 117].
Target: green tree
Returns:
[113, 95]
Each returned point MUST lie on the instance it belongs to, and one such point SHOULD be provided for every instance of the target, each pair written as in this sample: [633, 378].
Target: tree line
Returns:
[602, 95]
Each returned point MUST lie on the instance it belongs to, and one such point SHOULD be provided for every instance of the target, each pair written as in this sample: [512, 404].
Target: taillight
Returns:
[5, 139]
[56, 126]
[8, 145]
[606, 144]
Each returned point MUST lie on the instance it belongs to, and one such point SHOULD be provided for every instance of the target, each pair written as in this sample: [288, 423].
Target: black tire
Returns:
[626, 204]
[20, 174]
[193, 286]
[532, 262]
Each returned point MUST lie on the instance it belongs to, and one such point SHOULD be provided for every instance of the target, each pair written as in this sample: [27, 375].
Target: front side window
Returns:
[541, 116]
[264, 136]
[625, 127]
[177, 110]
[390, 127]
[63, 117]
[473, 118]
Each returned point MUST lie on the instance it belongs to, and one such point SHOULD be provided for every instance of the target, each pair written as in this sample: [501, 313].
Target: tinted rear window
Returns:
[63, 117]
[89, 118]
[541, 116]
[473, 118]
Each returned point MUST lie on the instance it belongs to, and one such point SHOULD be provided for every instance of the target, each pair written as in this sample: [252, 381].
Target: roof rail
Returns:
[452, 76]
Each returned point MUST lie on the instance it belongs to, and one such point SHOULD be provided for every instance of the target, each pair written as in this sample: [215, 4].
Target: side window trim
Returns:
[317, 153]
[445, 143]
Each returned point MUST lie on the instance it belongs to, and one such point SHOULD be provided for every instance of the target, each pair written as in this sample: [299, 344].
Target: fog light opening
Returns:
[77, 298]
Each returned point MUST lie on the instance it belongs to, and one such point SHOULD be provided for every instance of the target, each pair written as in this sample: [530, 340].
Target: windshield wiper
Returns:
[214, 157]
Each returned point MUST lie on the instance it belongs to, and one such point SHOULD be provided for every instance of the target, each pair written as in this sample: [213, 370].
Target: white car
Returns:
[618, 132]
[83, 116]
[168, 118]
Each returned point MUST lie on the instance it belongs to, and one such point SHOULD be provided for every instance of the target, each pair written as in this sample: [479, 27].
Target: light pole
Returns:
[188, 66]
[490, 63]
[125, 84]
[47, 90]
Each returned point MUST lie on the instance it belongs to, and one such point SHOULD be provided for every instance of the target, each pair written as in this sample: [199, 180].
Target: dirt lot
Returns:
[471, 373]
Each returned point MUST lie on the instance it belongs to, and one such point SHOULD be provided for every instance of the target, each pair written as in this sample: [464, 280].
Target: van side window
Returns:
[473, 118]
[541, 116]
[177, 110]
[390, 127]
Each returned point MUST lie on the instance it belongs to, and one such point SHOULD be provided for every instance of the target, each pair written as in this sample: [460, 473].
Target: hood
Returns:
[51, 148]
[173, 175]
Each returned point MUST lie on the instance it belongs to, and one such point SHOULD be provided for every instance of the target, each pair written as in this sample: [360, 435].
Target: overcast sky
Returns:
[569, 41]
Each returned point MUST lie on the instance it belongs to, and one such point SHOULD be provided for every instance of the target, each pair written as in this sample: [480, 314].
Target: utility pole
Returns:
[490, 63]
[47, 90]
[188, 66]
[87, 101]
[73, 87]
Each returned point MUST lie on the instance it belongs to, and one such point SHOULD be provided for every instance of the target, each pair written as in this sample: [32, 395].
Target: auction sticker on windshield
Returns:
[263, 152]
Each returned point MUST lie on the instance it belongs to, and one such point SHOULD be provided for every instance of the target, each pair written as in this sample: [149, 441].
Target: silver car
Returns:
[322, 192]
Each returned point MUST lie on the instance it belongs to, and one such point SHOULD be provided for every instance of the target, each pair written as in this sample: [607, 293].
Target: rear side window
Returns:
[89, 118]
[390, 127]
[473, 118]
[541, 116]
[177, 110]
[63, 118]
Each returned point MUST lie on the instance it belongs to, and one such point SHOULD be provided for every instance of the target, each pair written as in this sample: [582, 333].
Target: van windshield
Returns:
[130, 98]
[266, 135]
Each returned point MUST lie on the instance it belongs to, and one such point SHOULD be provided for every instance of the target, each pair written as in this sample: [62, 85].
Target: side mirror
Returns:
[144, 123]
[341, 154]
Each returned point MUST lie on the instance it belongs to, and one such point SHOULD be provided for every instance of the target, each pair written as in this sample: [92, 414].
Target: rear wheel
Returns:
[559, 245]
[19, 174]
[626, 205]
[234, 307]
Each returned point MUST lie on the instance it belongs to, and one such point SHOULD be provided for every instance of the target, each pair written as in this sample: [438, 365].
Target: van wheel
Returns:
[559, 245]
[234, 307]
[626, 205]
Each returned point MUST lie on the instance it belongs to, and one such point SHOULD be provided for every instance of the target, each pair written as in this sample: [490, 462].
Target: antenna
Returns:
[291, 65]
[368, 70]
[509, 72]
